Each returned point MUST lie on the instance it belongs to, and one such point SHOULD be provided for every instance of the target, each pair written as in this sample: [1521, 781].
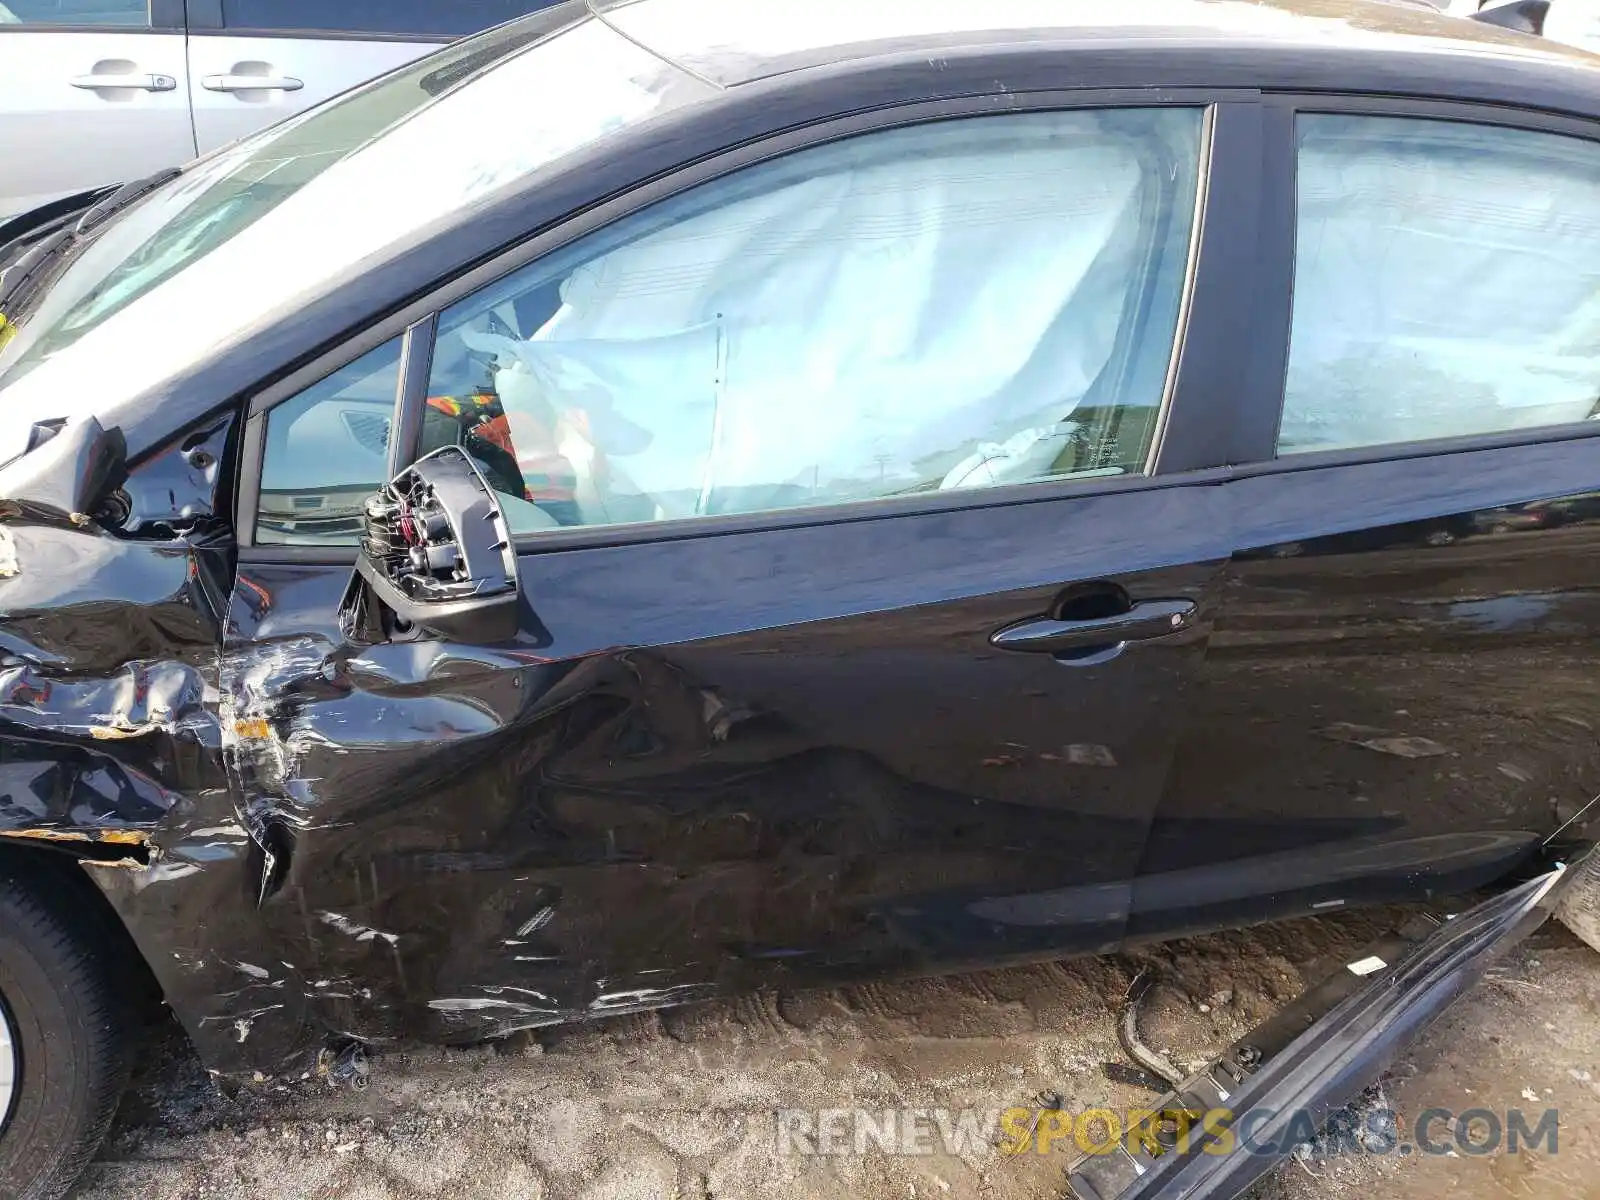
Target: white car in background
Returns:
[97, 92]
[100, 92]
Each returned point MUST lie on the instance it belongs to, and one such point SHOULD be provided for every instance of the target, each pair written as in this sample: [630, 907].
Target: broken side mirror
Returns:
[70, 467]
[436, 556]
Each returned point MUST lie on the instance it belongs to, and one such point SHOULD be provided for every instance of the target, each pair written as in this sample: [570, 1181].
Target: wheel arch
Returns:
[61, 879]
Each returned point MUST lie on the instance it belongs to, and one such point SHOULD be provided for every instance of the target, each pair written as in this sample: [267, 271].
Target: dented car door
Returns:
[754, 723]
[643, 798]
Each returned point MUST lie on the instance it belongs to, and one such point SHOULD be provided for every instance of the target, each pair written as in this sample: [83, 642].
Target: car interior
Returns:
[733, 350]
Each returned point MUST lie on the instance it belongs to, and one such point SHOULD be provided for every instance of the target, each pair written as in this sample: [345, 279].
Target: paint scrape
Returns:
[361, 933]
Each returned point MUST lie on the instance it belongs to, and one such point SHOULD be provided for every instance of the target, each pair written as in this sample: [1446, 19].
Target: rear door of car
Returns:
[1403, 693]
[869, 539]
[254, 62]
[92, 92]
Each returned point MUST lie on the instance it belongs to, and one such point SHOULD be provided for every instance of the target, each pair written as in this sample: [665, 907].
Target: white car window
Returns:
[266, 224]
[966, 303]
[1447, 282]
[426, 18]
[109, 14]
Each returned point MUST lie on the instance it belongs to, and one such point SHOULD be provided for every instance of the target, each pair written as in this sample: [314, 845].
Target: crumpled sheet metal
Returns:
[110, 747]
[153, 715]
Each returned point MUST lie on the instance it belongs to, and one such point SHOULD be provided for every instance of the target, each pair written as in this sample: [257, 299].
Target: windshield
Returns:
[265, 225]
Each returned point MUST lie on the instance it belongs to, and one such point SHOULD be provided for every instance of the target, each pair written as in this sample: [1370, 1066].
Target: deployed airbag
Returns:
[884, 313]
[1447, 282]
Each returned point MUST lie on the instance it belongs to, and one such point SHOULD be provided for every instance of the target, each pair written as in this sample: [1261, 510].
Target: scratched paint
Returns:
[109, 687]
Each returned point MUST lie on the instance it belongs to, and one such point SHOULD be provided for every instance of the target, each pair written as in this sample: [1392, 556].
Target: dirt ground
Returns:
[684, 1104]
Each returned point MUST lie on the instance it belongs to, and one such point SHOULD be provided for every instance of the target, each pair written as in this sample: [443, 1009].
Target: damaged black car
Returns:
[676, 496]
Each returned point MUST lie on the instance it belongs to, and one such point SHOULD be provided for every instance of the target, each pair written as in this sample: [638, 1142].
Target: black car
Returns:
[686, 495]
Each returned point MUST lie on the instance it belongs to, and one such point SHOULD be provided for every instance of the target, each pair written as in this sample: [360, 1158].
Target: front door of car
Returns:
[854, 627]
[1401, 695]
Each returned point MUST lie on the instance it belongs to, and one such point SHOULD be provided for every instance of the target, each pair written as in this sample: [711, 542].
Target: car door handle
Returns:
[1144, 620]
[251, 83]
[109, 82]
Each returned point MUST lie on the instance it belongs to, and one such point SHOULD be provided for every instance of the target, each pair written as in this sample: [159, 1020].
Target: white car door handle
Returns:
[251, 83]
[109, 82]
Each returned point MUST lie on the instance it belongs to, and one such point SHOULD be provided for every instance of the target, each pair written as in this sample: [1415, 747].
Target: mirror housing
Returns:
[68, 467]
[436, 555]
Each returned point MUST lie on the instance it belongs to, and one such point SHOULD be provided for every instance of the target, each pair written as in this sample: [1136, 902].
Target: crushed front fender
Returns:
[114, 587]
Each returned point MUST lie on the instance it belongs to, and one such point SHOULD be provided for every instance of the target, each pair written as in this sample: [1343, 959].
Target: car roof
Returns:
[735, 42]
[807, 62]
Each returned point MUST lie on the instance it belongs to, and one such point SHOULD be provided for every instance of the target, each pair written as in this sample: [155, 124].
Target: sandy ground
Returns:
[683, 1104]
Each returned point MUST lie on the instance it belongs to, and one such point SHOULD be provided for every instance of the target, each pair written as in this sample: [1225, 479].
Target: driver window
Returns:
[967, 303]
[325, 451]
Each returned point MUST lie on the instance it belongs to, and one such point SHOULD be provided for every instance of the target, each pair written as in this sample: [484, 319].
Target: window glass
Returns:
[295, 207]
[440, 18]
[326, 450]
[75, 12]
[1447, 282]
[962, 304]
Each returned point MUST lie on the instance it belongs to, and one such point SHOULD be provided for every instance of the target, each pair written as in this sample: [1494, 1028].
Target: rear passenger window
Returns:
[956, 305]
[1447, 282]
[419, 18]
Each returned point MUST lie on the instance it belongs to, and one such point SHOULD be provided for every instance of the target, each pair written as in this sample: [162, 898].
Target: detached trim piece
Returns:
[1391, 992]
[111, 847]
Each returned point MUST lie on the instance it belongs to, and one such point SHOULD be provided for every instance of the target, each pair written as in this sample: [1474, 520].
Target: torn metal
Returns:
[129, 848]
[110, 745]
[331, 831]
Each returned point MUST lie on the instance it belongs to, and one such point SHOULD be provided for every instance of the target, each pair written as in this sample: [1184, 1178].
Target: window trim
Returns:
[1256, 437]
[416, 366]
[1321, 460]
[1206, 379]
[1222, 218]
[602, 537]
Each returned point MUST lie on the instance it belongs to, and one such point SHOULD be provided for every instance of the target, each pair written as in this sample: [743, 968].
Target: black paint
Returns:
[777, 750]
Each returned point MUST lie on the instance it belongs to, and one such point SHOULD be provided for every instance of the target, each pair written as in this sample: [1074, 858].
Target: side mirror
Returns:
[68, 466]
[437, 556]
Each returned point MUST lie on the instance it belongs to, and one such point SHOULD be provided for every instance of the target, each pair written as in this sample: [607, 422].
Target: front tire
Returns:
[67, 1028]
